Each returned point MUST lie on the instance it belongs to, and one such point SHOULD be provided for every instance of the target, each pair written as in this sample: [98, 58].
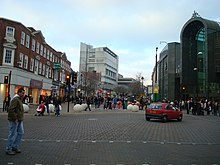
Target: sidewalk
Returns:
[65, 110]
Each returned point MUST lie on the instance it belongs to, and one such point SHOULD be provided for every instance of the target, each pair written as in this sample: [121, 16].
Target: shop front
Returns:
[35, 91]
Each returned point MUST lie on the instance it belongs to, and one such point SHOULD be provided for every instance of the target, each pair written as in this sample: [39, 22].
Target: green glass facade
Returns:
[200, 51]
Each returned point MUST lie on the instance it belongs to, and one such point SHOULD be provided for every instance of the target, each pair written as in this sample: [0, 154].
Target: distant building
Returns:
[100, 60]
[125, 81]
[33, 63]
[169, 72]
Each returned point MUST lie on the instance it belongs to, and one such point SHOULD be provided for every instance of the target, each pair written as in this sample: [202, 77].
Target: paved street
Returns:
[114, 137]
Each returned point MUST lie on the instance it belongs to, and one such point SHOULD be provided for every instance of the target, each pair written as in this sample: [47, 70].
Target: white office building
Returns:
[100, 60]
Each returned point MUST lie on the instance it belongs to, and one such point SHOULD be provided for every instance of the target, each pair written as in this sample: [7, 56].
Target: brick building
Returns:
[27, 60]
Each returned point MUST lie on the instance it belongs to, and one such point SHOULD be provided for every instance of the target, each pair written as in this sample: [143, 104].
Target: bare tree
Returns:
[136, 88]
[90, 82]
[120, 90]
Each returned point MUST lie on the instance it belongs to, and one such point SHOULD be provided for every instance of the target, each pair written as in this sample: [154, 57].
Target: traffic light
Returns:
[183, 88]
[5, 79]
[67, 79]
[74, 77]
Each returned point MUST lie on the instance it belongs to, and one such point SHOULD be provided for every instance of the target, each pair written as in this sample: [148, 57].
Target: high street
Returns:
[113, 137]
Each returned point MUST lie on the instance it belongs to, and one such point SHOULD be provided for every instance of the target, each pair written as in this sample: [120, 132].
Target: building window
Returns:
[41, 49]
[91, 60]
[8, 56]
[51, 56]
[43, 69]
[91, 69]
[25, 62]
[36, 66]
[27, 41]
[45, 52]
[55, 73]
[46, 71]
[10, 31]
[38, 47]
[49, 72]
[218, 65]
[92, 55]
[33, 45]
[165, 68]
[22, 38]
[32, 65]
[21, 58]
[48, 54]
[40, 68]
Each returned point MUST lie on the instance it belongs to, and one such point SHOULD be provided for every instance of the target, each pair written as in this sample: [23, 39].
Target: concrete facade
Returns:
[101, 60]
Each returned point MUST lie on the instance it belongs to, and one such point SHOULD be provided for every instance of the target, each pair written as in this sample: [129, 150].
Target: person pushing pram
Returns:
[40, 109]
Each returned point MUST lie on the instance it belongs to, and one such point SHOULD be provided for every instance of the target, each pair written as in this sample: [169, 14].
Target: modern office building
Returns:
[26, 60]
[100, 60]
[169, 72]
[200, 58]
[191, 69]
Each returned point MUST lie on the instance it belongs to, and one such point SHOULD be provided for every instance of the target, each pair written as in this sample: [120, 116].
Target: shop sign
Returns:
[156, 89]
[56, 65]
[36, 84]
[55, 83]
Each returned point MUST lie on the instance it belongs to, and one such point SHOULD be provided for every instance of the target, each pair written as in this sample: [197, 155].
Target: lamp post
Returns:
[142, 80]
[156, 66]
[155, 82]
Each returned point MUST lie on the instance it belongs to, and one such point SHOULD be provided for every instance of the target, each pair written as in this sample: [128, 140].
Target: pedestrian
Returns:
[6, 103]
[88, 102]
[40, 99]
[47, 102]
[57, 104]
[15, 118]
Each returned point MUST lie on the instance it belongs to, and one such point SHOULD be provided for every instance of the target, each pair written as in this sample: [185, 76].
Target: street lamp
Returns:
[142, 79]
[156, 66]
[155, 83]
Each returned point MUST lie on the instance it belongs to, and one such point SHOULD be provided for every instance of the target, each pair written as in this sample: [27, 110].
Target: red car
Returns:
[163, 111]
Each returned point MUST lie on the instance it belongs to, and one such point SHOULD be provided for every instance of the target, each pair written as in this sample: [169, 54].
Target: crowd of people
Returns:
[114, 102]
[198, 106]
[193, 106]
[202, 107]
[44, 104]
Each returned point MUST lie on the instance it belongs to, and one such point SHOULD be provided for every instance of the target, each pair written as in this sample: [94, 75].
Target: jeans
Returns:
[16, 130]
[57, 108]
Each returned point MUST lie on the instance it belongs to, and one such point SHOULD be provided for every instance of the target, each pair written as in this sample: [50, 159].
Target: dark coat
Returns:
[16, 110]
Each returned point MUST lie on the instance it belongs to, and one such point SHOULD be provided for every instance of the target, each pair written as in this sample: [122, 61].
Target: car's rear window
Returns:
[155, 106]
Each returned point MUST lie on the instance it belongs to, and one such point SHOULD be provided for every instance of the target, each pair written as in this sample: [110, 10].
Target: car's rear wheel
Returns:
[147, 118]
[180, 118]
[164, 118]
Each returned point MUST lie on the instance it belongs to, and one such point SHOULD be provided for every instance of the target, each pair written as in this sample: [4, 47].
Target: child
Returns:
[40, 109]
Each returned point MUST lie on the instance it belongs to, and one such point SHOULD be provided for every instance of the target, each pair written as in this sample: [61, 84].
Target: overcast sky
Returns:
[130, 28]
